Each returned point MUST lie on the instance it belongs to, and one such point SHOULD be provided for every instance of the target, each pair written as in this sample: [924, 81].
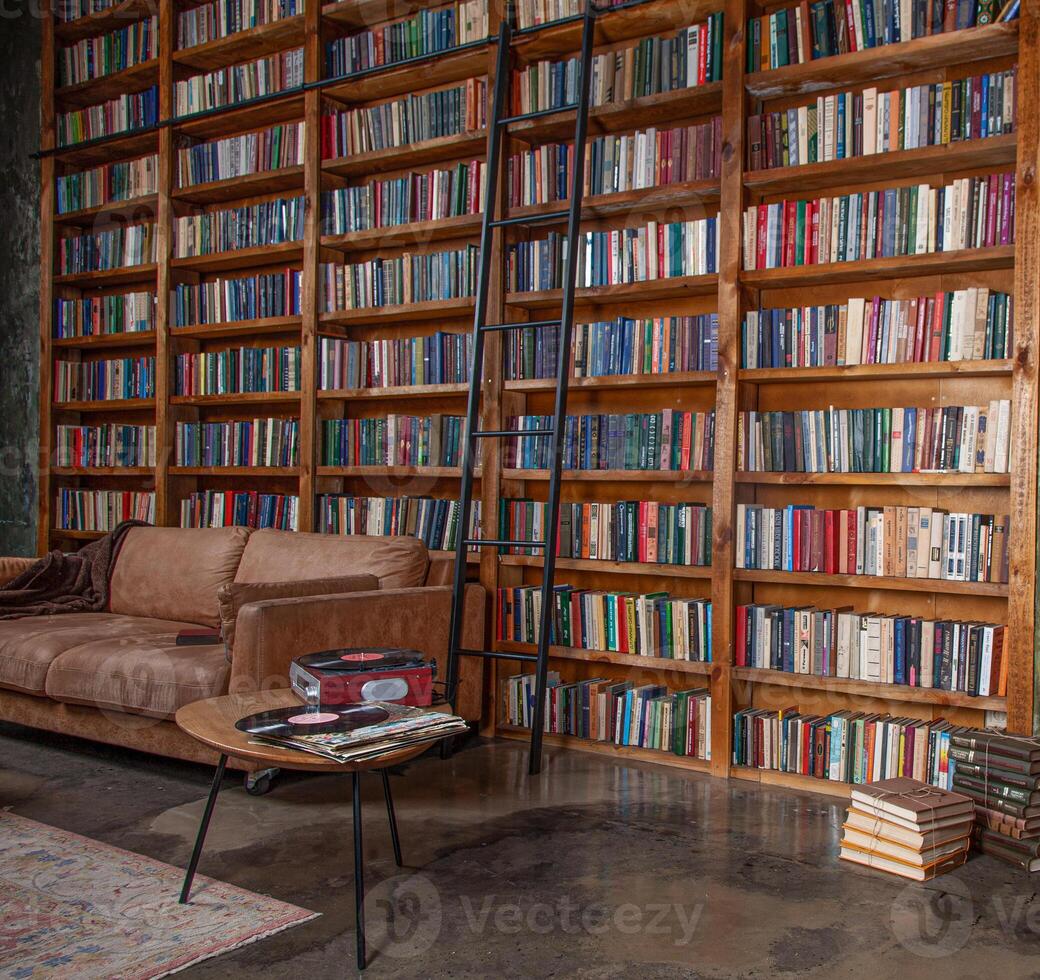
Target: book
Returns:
[245, 508]
[111, 444]
[269, 442]
[896, 867]
[433, 520]
[101, 510]
[389, 362]
[868, 843]
[238, 370]
[111, 379]
[278, 72]
[271, 222]
[943, 830]
[910, 800]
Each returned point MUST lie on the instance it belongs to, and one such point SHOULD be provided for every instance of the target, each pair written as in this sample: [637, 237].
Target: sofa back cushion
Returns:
[287, 556]
[174, 573]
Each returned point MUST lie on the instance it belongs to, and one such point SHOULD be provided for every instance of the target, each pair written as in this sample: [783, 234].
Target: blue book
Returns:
[909, 438]
[899, 667]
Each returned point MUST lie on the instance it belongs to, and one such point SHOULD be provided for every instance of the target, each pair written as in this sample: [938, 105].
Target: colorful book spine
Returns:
[915, 651]
[95, 57]
[118, 247]
[239, 83]
[238, 370]
[257, 442]
[66, 11]
[237, 156]
[95, 316]
[82, 446]
[107, 185]
[110, 380]
[440, 358]
[244, 508]
[433, 520]
[122, 114]
[951, 439]
[272, 294]
[890, 541]
[268, 223]
[209, 21]
[396, 440]
[102, 510]
[535, 13]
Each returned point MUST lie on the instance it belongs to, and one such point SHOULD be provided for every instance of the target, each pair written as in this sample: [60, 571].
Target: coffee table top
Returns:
[212, 722]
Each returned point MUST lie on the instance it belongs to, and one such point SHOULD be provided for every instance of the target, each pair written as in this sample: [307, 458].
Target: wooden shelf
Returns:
[141, 338]
[239, 398]
[611, 567]
[610, 657]
[994, 152]
[680, 379]
[134, 209]
[397, 236]
[792, 780]
[820, 580]
[411, 155]
[246, 45]
[241, 328]
[883, 372]
[615, 476]
[238, 188]
[407, 313]
[109, 405]
[106, 149]
[879, 479]
[430, 472]
[57, 532]
[678, 287]
[96, 90]
[108, 277]
[920, 54]
[103, 21]
[241, 258]
[872, 270]
[887, 692]
[118, 471]
[240, 117]
[400, 391]
[250, 471]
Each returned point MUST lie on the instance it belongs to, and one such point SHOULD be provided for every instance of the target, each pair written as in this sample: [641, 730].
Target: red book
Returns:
[830, 550]
[992, 186]
[853, 541]
[641, 536]
[851, 21]
[740, 651]
[762, 236]
[790, 236]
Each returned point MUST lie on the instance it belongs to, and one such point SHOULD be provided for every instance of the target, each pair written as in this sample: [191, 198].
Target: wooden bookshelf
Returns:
[731, 292]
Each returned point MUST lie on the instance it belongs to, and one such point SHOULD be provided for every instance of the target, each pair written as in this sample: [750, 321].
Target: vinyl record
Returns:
[355, 659]
[311, 719]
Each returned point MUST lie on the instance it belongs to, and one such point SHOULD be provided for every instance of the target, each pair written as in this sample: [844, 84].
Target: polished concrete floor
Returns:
[594, 869]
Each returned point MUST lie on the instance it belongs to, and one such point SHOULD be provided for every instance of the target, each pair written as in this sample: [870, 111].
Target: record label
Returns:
[315, 719]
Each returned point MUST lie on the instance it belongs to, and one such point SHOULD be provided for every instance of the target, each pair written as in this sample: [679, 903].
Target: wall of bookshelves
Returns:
[268, 289]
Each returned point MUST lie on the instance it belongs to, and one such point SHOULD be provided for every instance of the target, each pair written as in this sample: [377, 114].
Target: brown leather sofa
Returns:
[118, 676]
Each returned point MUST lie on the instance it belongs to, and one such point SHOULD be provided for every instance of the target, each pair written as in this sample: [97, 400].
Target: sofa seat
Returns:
[29, 646]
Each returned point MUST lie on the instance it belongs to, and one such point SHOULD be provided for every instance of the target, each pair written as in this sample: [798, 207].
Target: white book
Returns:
[986, 660]
[1003, 447]
[871, 665]
[990, 449]
[870, 120]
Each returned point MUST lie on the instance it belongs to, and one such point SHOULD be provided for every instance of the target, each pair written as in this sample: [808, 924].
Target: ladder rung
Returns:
[569, 107]
[499, 543]
[518, 326]
[505, 433]
[531, 658]
[531, 219]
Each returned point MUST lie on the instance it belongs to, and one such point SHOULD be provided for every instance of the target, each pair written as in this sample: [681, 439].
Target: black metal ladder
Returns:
[565, 323]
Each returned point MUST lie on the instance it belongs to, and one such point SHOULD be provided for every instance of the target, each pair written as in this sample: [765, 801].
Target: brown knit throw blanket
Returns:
[61, 583]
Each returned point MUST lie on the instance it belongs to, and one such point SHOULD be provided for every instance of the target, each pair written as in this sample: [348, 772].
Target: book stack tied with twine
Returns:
[907, 828]
[1001, 773]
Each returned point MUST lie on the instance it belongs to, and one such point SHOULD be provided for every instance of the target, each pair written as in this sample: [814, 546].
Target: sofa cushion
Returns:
[29, 646]
[287, 556]
[234, 595]
[174, 573]
[143, 674]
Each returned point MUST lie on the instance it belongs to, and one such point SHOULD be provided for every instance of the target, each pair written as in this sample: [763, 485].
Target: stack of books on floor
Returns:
[1001, 773]
[907, 828]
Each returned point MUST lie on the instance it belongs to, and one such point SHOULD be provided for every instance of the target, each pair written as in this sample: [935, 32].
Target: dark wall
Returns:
[19, 273]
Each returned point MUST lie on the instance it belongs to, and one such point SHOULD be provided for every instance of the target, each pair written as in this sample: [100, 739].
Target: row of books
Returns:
[67, 11]
[645, 625]
[971, 212]
[208, 21]
[852, 124]
[396, 440]
[846, 746]
[647, 717]
[257, 297]
[628, 530]
[94, 57]
[434, 521]
[667, 440]
[915, 651]
[109, 380]
[256, 442]
[890, 541]
[114, 248]
[690, 57]
[102, 510]
[971, 324]
[104, 445]
[95, 316]
[250, 226]
[106, 185]
[124, 113]
[954, 439]
[439, 358]
[245, 508]
[533, 13]
[808, 31]
[613, 164]
[239, 83]
[238, 370]
[252, 153]
[427, 196]
[625, 255]
[407, 278]
[622, 346]
[428, 32]
[401, 122]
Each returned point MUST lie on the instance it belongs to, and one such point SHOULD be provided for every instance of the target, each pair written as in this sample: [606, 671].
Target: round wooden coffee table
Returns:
[212, 722]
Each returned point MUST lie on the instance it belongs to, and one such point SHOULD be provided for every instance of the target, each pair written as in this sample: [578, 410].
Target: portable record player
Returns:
[354, 675]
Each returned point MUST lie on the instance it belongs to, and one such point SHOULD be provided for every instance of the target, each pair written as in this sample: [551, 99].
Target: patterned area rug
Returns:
[73, 907]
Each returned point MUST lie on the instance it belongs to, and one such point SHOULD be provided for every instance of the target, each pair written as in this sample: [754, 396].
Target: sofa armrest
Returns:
[11, 567]
[270, 634]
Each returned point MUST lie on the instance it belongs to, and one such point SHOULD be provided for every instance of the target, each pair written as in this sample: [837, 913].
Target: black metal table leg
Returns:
[393, 817]
[218, 777]
[359, 874]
